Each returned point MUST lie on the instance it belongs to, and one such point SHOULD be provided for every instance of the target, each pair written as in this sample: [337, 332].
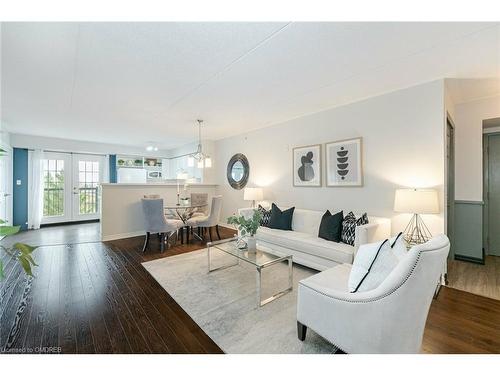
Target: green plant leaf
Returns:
[23, 248]
[2, 221]
[8, 230]
[2, 274]
[26, 265]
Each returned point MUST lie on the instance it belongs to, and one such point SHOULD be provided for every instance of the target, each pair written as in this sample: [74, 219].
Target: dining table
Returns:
[184, 212]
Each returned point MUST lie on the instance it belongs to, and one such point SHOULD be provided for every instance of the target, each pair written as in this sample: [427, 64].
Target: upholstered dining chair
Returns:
[388, 319]
[200, 198]
[210, 221]
[156, 222]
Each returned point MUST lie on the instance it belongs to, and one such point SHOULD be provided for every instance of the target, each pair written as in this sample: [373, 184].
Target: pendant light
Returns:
[202, 160]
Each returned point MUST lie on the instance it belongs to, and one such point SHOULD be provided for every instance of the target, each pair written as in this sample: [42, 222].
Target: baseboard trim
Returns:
[469, 259]
[69, 223]
[120, 236]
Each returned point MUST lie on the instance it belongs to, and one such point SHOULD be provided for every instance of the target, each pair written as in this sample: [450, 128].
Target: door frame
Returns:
[486, 224]
[9, 182]
[450, 182]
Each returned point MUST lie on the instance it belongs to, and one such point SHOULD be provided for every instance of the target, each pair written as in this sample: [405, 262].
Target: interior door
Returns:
[56, 188]
[87, 174]
[494, 195]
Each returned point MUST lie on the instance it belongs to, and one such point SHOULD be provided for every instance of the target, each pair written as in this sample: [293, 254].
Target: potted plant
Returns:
[247, 227]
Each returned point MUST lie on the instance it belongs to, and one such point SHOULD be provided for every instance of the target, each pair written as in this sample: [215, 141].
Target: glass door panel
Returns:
[56, 182]
[87, 172]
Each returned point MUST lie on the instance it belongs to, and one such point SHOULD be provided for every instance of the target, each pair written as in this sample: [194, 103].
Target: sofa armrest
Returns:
[371, 232]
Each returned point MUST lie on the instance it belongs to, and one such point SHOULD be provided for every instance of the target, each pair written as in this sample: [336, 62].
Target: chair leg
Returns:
[217, 230]
[162, 242]
[187, 234]
[146, 242]
[301, 331]
[181, 231]
[210, 233]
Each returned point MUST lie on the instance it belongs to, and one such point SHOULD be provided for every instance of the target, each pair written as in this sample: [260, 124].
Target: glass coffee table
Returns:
[260, 259]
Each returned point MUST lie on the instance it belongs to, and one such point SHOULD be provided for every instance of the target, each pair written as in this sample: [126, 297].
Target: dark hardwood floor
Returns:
[97, 298]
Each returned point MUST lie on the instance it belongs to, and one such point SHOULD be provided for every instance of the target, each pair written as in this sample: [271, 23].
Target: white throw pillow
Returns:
[398, 245]
[363, 263]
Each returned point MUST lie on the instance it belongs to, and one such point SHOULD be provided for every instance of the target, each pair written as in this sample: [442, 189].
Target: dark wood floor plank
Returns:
[100, 333]
[139, 306]
[40, 291]
[132, 332]
[84, 339]
[50, 336]
[67, 327]
[106, 299]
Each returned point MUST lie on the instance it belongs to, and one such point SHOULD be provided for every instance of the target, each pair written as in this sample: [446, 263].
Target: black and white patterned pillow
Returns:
[349, 227]
[266, 216]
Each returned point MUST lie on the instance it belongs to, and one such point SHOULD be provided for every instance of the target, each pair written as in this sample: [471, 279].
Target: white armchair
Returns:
[388, 319]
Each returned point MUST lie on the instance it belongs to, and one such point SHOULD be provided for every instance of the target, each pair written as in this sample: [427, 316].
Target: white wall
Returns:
[468, 120]
[403, 146]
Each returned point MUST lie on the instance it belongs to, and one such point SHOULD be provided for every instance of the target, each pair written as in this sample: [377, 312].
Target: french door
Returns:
[71, 187]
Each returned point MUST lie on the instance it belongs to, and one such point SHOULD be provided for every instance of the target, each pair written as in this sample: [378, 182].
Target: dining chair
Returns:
[198, 199]
[156, 222]
[210, 221]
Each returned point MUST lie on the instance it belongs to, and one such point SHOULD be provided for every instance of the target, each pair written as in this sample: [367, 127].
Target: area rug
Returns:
[223, 303]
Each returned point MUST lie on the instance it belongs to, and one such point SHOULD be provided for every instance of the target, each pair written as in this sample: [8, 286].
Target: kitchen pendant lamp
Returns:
[202, 160]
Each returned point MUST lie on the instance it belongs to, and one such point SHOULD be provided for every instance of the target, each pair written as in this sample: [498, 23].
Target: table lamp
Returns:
[416, 202]
[253, 194]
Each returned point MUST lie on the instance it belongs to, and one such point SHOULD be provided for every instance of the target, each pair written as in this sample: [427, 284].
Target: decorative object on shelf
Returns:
[307, 166]
[344, 163]
[181, 176]
[247, 228]
[416, 202]
[253, 194]
[120, 162]
[238, 171]
[202, 160]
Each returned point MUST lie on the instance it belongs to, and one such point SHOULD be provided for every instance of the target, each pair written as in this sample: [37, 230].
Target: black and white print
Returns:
[343, 163]
[349, 227]
[266, 216]
[307, 166]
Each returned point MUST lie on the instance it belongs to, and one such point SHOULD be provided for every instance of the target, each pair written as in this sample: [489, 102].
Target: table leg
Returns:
[259, 286]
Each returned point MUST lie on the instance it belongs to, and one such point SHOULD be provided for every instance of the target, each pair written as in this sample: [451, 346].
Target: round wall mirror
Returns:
[238, 171]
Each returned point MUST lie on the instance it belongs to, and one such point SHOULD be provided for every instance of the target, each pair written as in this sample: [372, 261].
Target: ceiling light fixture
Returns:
[202, 160]
[151, 148]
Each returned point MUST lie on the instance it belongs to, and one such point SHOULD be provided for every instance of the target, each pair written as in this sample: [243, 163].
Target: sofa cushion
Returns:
[349, 227]
[281, 219]
[307, 243]
[265, 216]
[335, 278]
[330, 228]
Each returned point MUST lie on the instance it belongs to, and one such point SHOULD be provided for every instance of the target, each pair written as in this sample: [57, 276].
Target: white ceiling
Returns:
[133, 83]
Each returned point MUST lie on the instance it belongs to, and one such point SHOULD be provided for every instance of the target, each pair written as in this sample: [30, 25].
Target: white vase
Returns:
[252, 244]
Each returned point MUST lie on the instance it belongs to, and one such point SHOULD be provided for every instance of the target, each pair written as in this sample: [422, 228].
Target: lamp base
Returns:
[416, 232]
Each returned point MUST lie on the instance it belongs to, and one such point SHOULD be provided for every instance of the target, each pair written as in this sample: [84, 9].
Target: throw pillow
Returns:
[281, 219]
[349, 227]
[331, 226]
[363, 261]
[266, 216]
[398, 245]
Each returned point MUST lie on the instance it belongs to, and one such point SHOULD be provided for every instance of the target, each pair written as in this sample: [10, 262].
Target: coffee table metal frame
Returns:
[239, 255]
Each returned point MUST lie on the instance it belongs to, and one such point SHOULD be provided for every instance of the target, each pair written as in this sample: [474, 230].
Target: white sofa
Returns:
[388, 319]
[308, 249]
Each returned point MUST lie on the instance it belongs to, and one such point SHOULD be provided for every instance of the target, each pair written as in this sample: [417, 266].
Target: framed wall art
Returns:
[344, 163]
[307, 166]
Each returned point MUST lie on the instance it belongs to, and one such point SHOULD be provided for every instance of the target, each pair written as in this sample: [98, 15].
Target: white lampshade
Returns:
[416, 201]
[200, 164]
[190, 161]
[253, 194]
[208, 162]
